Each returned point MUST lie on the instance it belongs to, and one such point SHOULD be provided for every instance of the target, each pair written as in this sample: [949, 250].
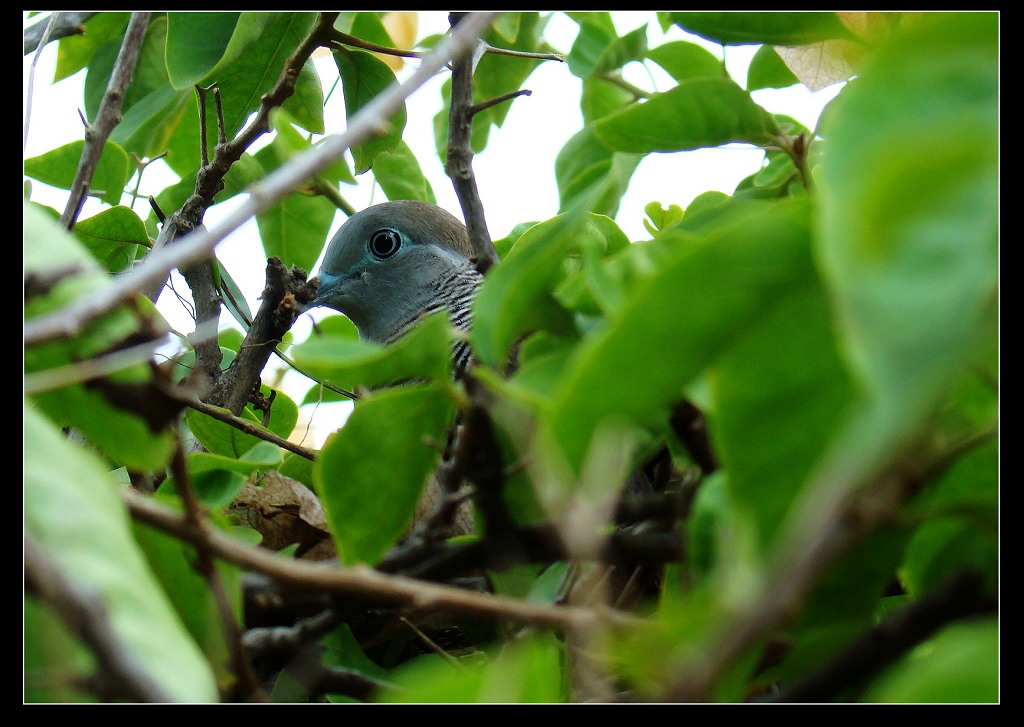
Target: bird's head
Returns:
[385, 265]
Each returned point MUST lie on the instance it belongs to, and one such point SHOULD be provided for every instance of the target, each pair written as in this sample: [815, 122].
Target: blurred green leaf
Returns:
[766, 70]
[689, 312]
[598, 50]
[586, 168]
[75, 52]
[959, 666]
[909, 215]
[525, 671]
[682, 60]
[74, 514]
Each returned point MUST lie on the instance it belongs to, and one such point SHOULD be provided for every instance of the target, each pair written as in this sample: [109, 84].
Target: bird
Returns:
[395, 262]
[387, 267]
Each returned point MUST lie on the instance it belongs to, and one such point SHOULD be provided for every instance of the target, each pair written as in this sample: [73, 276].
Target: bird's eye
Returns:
[384, 243]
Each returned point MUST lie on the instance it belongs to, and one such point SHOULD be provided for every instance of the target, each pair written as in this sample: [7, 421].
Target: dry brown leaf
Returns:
[284, 511]
[821, 64]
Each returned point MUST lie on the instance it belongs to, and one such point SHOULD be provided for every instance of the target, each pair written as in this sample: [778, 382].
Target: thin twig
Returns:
[47, 28]
[107, 117]
[244, 425]
[207, 569]
[483, 105]
[71, 320]
[459, 159]
[351, 40]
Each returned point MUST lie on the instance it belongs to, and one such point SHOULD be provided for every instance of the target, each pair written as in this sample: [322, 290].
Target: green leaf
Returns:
[221, 438]
[195, 44]
[74, 514]
[149, 126]
[306, 104]
[422, 353]
[600, 98]
[174, 565]
[699, 112]
[683, 60]
[689, 311]
[363, 76]
[75, 52]
[733, 28]
[495, 76]
[909, 216]
[398, 173]
[368, 493]
[50, 648]
[296, 229]
[531, 269]
[587, 169]
[598, 50]
[58, 167]
[959, 666]
[766, 70]
[115, 237]
[150, 70]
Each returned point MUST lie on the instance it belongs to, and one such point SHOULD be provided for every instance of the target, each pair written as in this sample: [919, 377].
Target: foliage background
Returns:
[834, 317]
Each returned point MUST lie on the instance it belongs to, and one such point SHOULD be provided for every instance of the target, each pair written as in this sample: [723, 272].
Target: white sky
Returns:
[515, 174]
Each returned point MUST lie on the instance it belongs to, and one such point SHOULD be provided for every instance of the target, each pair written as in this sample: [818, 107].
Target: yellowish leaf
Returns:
[402, 27]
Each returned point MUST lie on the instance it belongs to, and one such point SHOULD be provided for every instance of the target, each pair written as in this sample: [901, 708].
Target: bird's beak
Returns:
[327, 288]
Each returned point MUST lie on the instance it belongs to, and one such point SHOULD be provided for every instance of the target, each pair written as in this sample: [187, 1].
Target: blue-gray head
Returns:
[392, 263]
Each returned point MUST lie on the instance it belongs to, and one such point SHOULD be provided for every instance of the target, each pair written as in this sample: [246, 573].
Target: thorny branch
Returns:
[459, 160]
[108, 116]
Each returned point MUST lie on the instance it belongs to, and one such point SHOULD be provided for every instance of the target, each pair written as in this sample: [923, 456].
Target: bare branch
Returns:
[63, 25]
[108, 116]
[459, 160]
[207, 569]
[365, 582]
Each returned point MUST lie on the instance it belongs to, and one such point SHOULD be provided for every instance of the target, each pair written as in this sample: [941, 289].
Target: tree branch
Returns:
[962, 596]
[64, 24]
[107, 117]
[362, 581]
[459, 159]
